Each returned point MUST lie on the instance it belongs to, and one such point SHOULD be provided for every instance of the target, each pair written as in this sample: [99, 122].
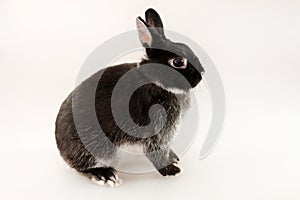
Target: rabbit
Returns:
[73, 138]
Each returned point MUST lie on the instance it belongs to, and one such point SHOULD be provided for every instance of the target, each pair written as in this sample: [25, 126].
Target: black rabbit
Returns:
[165, 77]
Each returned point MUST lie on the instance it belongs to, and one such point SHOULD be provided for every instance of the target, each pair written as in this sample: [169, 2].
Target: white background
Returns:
[255, 45]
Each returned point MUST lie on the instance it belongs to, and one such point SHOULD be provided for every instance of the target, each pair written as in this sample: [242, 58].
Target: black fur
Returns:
[82, 144]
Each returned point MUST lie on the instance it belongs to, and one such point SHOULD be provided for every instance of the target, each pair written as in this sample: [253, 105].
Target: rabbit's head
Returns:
[163, 51]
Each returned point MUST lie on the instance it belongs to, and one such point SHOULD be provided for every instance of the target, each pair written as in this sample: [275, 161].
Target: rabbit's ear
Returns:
[154, 20]
[144, 33]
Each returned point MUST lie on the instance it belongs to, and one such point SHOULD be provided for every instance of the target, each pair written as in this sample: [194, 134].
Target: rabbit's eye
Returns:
[178, 62]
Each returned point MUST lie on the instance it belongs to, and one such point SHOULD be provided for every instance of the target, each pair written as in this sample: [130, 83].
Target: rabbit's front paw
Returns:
[170, 170]
[173, 158]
